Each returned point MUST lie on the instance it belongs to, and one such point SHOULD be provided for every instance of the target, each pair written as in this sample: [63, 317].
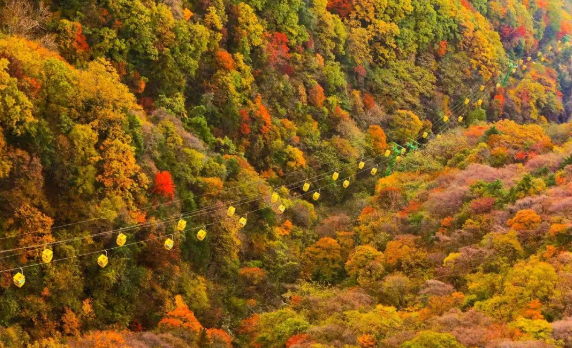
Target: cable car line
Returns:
[205, 210]
[202, 226]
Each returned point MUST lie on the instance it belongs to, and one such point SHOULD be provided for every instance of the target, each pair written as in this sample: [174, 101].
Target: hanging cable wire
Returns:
[206, 210]
[202, 226]
[199, 211]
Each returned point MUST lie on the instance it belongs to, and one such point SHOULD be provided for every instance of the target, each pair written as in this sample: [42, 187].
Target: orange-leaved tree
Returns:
[323, 260]
[181, 318]
[526, 219]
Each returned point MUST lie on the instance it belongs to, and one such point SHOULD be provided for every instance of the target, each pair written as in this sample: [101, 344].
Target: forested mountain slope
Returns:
[398, 172]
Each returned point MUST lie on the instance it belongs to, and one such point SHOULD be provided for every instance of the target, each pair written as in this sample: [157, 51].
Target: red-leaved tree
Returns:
[164, 185]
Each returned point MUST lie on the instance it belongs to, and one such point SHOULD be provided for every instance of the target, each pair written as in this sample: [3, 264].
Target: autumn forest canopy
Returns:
[285, 173]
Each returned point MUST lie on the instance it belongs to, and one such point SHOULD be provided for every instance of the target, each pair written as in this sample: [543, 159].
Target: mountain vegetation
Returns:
[330, 173]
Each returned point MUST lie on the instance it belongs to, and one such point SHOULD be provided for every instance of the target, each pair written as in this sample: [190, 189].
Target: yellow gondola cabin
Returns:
[242, 221]
[275, 197]
[361, 165]
[47, 256]
[19, 280]
[306, 187]
[169, 244]
[181, 225]
[121, 239]
[281, 208]
[230, 211]
[335, 176]
[316, 196]
[346, 183]
[201, 235]
[374, 171]
[102, 260]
